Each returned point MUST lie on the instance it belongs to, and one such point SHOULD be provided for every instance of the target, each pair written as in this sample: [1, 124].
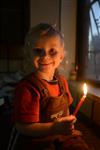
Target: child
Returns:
[42, 99]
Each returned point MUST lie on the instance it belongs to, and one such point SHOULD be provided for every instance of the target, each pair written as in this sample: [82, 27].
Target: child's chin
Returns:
[46, 70]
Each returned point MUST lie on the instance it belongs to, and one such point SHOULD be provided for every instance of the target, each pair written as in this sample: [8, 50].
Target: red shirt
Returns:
[27, 104]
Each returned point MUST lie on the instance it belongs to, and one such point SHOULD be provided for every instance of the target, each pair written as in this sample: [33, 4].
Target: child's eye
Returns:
[37, 51]
[53, 52]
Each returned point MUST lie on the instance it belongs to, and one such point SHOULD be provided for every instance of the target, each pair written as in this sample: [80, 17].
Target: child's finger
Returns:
[70, 118]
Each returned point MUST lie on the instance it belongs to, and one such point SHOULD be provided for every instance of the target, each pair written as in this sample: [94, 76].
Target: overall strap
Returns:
[41, 87]
[38, 84]
[61, 84]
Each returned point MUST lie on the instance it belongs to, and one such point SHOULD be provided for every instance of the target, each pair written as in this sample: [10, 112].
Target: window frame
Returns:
[82, 40]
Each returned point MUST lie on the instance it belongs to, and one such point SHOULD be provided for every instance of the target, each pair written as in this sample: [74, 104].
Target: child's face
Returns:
[47, 54]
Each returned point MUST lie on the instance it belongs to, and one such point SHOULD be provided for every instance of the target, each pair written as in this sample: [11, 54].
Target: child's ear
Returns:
[62, 52]
[62, 56]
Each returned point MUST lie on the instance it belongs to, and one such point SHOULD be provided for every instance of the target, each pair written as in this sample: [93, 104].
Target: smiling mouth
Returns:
[45, 64]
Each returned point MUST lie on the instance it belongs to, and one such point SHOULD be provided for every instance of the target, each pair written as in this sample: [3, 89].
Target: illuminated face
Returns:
[47, 54]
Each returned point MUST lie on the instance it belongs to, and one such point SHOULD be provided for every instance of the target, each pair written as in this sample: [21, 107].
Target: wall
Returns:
[68, 28]
[44, 11]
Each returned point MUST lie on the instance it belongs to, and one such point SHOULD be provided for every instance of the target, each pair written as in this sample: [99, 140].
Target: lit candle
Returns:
[81, 100]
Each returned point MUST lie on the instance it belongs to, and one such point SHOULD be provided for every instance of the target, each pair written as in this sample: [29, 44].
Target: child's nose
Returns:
[44, 53]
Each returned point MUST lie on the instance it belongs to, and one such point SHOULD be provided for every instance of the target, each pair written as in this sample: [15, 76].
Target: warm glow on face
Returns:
[85, 89]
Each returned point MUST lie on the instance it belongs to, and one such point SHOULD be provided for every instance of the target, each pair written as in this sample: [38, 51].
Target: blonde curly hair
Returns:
[37, 32]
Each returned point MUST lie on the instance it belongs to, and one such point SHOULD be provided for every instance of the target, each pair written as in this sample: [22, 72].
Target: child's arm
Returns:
[60, 126]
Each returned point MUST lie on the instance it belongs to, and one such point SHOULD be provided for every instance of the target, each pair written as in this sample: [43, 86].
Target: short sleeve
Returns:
[26, 104]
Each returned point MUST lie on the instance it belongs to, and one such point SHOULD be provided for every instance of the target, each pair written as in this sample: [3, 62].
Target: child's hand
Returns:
[63, 125]
[76, 132]
[70, 118]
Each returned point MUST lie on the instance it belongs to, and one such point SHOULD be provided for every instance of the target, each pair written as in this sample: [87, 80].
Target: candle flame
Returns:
[85, 89]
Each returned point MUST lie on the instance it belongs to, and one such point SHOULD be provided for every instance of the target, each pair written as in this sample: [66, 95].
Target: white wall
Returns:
[68, 28]
[44, 11]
